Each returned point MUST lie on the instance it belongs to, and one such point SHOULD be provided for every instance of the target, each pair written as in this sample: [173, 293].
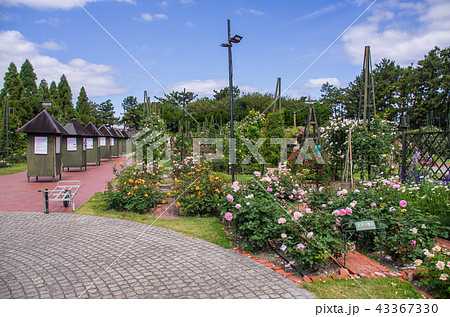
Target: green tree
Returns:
[334, 98]
[43, 91]
[106, 114]
[65, 96]
[83, 107]
[56, 109]
[133, 113]
[224, 93]
[13, 88]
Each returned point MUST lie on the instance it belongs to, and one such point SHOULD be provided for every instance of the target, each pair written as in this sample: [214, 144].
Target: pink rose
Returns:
[342, 212]
[300, 246]
[281, 221]
[403, 203]
[373, 204]
[230, 198]
[228, 216]
[238, 206]
[269, 189]
[283, 235]
[309, 235]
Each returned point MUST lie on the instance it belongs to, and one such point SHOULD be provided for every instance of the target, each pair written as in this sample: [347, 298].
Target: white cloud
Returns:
[163, 4]
[403, 32]
[207, 87]
[50, 21]
[54, 4]
[318, 82]
[152, 17]
[241, 11]
[97, 79]
[200, 87]
[187, 1]
[256, 12]
[190, 24]
[318, 13]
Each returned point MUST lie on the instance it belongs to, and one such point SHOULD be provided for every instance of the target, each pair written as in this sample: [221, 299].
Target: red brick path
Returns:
[16, 194]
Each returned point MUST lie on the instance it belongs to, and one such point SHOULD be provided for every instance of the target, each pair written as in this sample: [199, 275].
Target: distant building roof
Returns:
[93, 130]
[104, 130]
[43, 123]
[76, 128]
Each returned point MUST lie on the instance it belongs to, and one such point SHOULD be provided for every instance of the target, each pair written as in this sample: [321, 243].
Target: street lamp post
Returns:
[182, 130]
[229, 44]
[295, 121]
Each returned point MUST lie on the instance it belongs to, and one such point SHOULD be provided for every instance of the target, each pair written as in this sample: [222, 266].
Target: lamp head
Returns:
[236, 39]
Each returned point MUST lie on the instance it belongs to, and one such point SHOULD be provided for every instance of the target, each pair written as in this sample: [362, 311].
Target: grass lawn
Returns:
[16, 168]
[242, 178]
[369, 288]
[209, 228]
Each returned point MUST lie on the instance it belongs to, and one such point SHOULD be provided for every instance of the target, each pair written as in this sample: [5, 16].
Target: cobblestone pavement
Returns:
[66, 255]
[16, 194]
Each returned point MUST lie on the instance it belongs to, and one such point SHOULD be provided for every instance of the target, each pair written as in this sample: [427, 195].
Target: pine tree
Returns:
[43, 92]
[106, 114]
[65, 96]
[28, 78]
[133, 113]
[13, 88]
[56, 109]
[83, 107]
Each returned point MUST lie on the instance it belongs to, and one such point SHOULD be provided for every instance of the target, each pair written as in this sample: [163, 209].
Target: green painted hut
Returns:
[104, 140]
[121, 141]
[114, 142]
[74, 146]
[92, 144]
[44, 135]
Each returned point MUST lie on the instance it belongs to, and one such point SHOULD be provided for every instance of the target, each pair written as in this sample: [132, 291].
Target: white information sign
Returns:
[89, 143]
[71, 144]
[111, 141]
[58, 145]
[102, 141]
[40, 145]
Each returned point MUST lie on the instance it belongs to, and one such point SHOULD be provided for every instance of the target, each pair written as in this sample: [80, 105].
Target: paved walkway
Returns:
[76, 256]
[16, 194]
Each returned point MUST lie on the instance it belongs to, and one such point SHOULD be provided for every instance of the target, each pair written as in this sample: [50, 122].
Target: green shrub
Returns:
[132, 190]
[437, 270]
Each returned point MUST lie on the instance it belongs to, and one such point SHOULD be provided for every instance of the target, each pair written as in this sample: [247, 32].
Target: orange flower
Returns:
[178, 204]
[146, 195]
[163, 202]
[158, 184]
[130, 180]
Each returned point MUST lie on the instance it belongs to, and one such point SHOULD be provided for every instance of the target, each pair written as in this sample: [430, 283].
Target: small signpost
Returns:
[351, 228]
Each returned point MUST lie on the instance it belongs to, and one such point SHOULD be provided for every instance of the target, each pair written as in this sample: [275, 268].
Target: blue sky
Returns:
[162, 46]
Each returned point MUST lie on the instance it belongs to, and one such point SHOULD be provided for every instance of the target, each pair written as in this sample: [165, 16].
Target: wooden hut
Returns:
[92, 144]
[114, 142]
[74, 146]
[44, 135]
[104, 141]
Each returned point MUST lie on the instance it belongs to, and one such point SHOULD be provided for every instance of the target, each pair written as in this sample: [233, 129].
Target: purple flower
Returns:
[228, 216]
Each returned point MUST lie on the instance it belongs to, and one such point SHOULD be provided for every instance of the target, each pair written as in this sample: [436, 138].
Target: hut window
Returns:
[111, 141]
[58, 145]
[89, 143]
[71, 144]
[40, 145]
[102, 141]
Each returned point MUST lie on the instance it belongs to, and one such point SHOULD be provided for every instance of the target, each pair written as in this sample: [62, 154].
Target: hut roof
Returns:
[104, 130]
[76, 128]
[92, 129]
[119, 133]
[43, 123]
[113, 132]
